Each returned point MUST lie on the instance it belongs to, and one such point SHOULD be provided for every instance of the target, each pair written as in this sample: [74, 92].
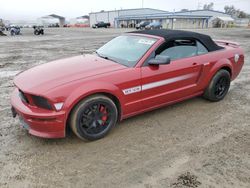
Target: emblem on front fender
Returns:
[132, 90]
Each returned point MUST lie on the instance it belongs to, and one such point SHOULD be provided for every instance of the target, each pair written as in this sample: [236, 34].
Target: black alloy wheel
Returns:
[218, 86]
[94, 117]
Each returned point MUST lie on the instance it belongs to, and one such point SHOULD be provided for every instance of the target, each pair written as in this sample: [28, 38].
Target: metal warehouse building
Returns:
[173, 20]
[51, 19]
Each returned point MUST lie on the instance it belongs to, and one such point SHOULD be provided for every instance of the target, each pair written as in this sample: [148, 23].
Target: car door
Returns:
[168, 83]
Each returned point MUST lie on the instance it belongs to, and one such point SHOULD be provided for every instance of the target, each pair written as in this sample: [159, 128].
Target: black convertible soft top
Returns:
[170, 35]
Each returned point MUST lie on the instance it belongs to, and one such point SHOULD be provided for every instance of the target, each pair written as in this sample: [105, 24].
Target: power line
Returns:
[199, 5]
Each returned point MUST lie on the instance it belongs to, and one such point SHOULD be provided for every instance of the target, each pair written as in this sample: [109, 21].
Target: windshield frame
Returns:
[140, 58]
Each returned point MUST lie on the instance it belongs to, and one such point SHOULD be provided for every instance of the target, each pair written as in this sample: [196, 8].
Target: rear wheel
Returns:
[94, 117]
[218, 86]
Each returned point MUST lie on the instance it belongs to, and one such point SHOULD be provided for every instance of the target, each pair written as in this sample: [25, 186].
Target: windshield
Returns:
[126, 49]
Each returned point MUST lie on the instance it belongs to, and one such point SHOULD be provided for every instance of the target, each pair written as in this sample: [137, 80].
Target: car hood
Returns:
[47, 76]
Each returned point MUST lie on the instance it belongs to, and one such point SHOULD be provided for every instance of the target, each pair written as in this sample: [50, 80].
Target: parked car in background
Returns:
[154, 25]
[27, 26]
[54, 25]
[142, 25]
[100, 25]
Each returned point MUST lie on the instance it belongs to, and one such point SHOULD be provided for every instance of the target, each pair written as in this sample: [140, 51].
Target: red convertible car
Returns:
[133, 73]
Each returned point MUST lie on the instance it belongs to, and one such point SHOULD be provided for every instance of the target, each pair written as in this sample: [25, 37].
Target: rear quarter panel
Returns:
[214, 61]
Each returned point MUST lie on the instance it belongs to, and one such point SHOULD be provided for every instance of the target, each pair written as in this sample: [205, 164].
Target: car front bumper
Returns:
[39, 122]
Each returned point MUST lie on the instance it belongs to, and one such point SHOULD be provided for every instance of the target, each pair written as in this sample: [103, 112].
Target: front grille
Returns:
[23, 97]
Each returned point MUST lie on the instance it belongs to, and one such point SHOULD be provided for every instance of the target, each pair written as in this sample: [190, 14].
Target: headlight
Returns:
[23, 96]
[41, 102]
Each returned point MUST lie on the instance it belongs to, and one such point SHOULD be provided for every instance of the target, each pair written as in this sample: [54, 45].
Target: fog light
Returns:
[58, 106]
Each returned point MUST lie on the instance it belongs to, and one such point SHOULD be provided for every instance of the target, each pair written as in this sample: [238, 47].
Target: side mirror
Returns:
[159, 60]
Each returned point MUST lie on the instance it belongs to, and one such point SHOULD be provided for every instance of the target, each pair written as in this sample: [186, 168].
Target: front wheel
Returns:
[93, 117]
[218, 86]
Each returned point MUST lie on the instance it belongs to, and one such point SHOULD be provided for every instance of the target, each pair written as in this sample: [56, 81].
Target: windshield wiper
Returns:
[99, 54]
[106, 57]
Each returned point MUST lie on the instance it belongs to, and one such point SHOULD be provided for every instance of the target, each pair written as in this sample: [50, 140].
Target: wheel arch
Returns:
[111, 95]
[210, 69]
[227, 68]
[221, 64]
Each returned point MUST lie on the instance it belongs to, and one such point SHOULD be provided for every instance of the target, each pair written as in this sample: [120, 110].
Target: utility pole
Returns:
[142, 2]
[199, 5]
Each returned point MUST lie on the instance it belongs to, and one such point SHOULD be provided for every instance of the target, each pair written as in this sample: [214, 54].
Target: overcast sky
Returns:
[32, 9]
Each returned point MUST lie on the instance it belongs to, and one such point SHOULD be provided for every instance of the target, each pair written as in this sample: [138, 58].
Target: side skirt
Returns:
[161, 105]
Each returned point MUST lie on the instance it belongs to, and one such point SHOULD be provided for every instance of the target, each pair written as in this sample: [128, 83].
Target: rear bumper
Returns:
[39, 122]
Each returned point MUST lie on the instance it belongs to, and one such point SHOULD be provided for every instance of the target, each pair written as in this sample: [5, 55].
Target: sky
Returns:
[32, 9]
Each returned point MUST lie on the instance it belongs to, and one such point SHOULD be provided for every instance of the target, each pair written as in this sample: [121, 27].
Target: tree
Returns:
[231, 10]
[184, 10]
[242, 14]
[209, 6]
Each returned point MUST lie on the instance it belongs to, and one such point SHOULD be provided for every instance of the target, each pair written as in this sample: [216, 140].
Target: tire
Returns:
[93, 117]
[218, 86]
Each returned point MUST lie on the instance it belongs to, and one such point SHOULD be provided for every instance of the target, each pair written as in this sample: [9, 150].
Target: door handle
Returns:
[194, 64]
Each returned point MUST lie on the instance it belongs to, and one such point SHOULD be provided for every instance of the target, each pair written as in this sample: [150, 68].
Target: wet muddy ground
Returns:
[192, 143]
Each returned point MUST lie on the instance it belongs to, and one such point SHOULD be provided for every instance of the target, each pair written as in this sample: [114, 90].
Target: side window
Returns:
[178, 49]
[201, 49]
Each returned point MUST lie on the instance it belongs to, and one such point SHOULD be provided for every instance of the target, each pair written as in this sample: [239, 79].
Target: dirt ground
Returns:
[193, 143]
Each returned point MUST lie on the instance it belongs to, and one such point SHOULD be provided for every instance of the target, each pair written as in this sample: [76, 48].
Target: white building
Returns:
[184, 19]
[81, 21]
[112, 16]
[52, 19]
[242, 22]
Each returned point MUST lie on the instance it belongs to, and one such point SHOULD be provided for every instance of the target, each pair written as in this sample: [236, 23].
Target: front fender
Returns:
[91, 88]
